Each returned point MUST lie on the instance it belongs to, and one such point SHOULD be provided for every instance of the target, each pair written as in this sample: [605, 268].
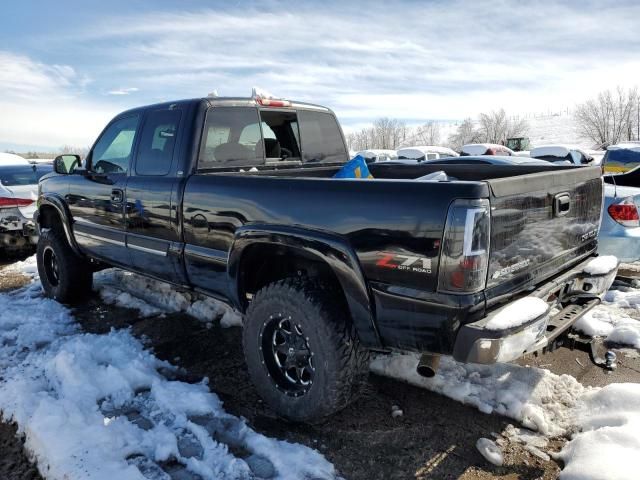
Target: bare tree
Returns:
[69, 149]
[611, 117]
[466, 133]
[496, 127]
[427, 134]
[385, 133]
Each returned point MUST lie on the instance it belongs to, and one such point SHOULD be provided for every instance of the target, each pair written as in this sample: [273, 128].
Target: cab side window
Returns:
[112, 153]
[157, 143]
[231, 138]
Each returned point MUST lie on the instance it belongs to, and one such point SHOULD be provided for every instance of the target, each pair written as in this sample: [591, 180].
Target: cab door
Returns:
[152, 223]
[96, 199]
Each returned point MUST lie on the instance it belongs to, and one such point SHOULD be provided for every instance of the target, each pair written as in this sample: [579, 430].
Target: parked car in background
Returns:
[377, 155]
[622, 157]
[491, 160]
[423, 153]
[486, 149]
[12, 159]
[18, 195]
[620, 227]
[562, 154]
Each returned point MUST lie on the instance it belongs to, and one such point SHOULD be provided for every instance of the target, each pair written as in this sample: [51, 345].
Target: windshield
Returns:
[16, 175]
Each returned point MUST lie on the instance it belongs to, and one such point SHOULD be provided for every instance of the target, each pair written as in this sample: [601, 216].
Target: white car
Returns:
[377, 155]
[562, 154]
[476, 149]
[18, 195]
[423, 153]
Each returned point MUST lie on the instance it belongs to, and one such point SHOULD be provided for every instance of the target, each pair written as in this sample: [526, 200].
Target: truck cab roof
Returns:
[226, 102]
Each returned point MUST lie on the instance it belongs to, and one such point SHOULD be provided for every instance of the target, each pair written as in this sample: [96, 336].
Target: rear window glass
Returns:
[321, 138]
[17, 175]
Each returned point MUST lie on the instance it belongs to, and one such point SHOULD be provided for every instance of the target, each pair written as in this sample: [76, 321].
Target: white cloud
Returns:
[43, 104]
[411, 60]
[123, 91]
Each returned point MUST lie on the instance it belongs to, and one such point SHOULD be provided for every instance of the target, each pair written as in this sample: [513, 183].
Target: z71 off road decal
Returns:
[404, 262]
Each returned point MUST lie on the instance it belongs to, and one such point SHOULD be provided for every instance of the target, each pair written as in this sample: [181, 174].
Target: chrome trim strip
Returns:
[147, 250]
[100, 239]
[211, 255]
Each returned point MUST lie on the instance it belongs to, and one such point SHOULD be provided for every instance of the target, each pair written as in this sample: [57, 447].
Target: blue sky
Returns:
[68, 66]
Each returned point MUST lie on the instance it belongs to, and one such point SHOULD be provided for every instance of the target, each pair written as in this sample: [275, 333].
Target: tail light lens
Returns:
[10, 202]
[465, 247]
[625, 213]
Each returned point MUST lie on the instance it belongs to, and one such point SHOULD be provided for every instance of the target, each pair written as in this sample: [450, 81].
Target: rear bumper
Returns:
[568, 297]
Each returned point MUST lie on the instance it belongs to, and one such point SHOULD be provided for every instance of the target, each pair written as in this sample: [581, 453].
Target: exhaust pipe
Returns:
[428, 365]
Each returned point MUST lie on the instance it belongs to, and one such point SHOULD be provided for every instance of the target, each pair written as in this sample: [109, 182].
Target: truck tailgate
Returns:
[540, 223]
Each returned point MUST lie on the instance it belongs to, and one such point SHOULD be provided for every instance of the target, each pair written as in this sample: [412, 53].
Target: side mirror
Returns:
[66, 164]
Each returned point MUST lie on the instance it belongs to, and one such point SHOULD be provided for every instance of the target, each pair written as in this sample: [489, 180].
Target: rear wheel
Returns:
[64, 275]
[302, 351]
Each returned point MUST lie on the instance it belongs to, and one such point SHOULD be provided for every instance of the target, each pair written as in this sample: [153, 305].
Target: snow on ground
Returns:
[613, 319]
[602, 422]
[151, 297]
[537, 399]
[102, 407]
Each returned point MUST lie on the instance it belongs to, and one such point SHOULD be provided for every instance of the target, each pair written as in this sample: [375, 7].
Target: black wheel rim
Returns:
[286, 355]
[50, 263]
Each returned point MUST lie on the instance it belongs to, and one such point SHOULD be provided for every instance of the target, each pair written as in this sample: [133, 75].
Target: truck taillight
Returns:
[10, 202]
[625, 213]
[465, 247]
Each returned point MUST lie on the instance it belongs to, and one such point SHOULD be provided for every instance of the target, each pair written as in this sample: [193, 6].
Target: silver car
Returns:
[620, 229]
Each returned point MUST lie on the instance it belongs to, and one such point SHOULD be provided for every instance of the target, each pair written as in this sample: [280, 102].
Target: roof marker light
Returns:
[265, 99]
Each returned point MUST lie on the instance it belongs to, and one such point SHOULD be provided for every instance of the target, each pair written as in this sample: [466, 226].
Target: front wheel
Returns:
[302, 351]
[65, 276]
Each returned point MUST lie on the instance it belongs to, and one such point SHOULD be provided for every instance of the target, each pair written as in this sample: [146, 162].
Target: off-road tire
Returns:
[341, 363]
[74, 277]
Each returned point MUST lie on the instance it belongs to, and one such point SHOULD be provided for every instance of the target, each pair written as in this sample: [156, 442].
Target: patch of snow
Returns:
[490, 451]
[99, 406]
[475, 149]
[518, 313]
[420, 151]
[635, 146]
[28, 267]
[608, 444]
[601, 265]
[611, 319]
[152, 297]
[538, 399]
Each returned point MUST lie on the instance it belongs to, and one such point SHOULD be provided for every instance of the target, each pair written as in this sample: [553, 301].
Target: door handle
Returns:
[117, 195]
[562, 204]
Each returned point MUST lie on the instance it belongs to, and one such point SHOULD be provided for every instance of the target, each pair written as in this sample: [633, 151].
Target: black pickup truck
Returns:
[235, 198]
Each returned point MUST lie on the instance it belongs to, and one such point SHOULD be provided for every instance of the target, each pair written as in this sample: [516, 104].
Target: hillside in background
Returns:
[544, 129]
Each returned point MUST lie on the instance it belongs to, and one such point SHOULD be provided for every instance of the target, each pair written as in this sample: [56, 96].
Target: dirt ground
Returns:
[434, 439]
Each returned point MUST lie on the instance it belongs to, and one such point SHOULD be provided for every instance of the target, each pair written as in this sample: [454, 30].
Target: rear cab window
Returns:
[321, 138]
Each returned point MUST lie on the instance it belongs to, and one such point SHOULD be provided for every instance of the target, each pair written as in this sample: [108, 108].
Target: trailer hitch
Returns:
[592, 347]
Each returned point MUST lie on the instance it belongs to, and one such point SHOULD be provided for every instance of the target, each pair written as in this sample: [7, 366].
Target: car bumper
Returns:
[568, 298]
[623, 242]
